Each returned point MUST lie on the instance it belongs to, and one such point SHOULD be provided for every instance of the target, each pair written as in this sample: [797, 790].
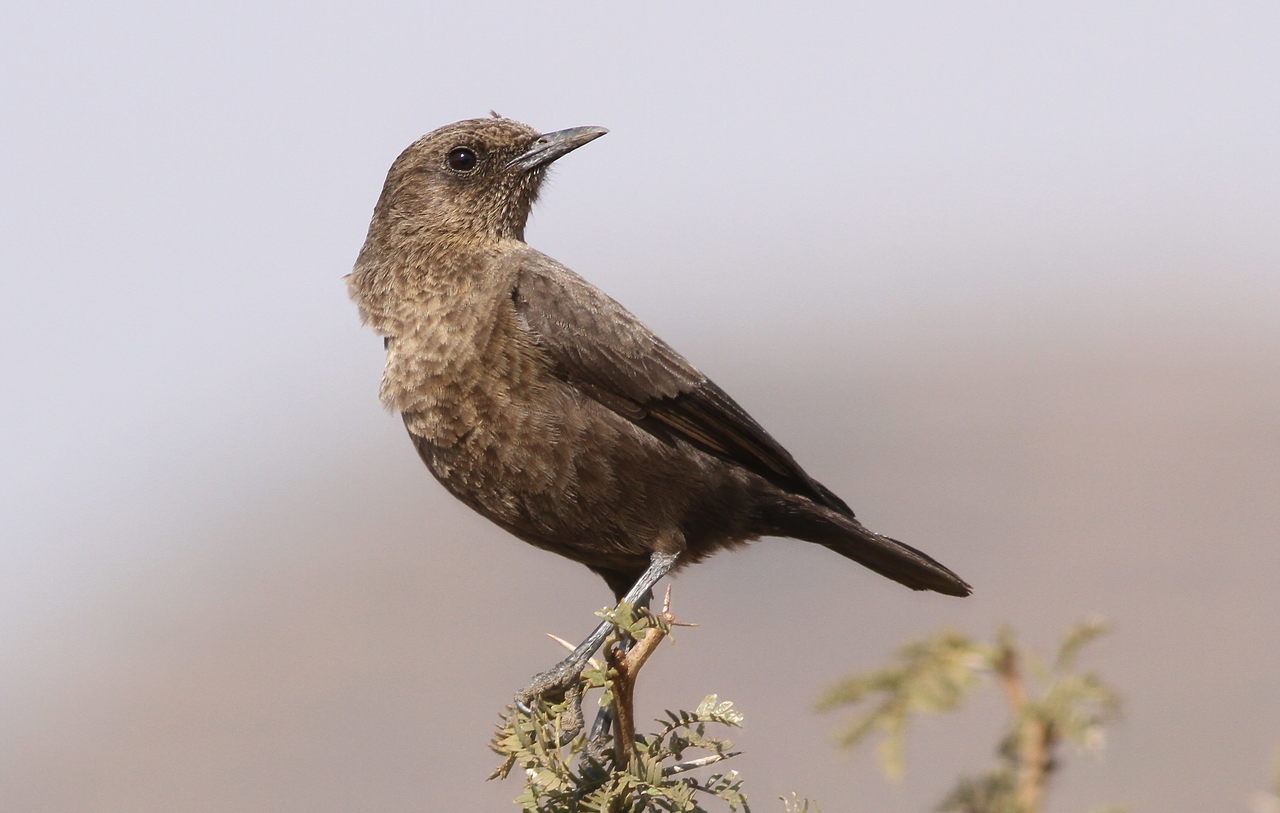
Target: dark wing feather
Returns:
[599, 347]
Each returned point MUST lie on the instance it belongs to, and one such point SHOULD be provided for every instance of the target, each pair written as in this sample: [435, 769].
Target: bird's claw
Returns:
[558, 681]
[561, 680]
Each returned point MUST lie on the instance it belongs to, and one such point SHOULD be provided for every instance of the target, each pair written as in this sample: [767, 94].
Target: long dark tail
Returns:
[846, 536]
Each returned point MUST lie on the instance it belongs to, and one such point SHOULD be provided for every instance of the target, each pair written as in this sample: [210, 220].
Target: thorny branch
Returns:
[625, 670]
[566, 773]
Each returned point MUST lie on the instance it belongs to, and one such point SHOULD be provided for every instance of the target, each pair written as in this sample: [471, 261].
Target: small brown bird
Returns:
[549, 408]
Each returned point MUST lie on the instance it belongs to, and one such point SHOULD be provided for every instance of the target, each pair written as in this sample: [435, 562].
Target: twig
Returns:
[1035, 737]
[701, 762]
[592, 662]
[627, 667]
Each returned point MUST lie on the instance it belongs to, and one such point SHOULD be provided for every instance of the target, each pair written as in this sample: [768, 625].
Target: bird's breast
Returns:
[463, 368]
[489, 423]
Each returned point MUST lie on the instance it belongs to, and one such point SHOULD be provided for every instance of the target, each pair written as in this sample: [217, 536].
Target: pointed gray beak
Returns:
[551, 146]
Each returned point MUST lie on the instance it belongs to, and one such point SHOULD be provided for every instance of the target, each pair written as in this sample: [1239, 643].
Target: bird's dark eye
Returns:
[462, 159]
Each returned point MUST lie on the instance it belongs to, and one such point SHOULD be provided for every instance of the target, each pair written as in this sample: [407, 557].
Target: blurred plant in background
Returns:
[1051, 704]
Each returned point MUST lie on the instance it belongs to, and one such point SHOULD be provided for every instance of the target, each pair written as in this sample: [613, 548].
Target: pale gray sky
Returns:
[1004, 275]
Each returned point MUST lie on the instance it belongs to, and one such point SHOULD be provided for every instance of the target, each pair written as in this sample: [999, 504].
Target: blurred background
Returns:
[1003, 275]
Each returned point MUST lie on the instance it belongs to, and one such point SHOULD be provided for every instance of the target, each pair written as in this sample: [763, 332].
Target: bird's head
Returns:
[471, 180]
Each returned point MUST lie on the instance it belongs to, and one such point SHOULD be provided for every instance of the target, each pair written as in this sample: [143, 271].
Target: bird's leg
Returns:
[557, 679]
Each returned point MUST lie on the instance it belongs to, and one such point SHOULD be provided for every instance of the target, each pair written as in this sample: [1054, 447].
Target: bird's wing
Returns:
[599, 347]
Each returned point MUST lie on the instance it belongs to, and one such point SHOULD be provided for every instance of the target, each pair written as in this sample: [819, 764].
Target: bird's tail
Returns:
[888, 557]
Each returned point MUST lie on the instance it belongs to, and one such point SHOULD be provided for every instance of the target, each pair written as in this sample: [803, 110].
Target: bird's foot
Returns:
[553, 683]
[560, 681]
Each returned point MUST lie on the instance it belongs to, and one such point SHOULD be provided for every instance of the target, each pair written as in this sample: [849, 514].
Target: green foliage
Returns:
[798, 805]
[564, 779]
[569, 774]
[631, 622]
[1073, 706]
[1049, 703]
[992, 793]
[932, 675]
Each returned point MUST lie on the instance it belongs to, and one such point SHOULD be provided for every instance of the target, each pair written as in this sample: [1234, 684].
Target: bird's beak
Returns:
[551, 146]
